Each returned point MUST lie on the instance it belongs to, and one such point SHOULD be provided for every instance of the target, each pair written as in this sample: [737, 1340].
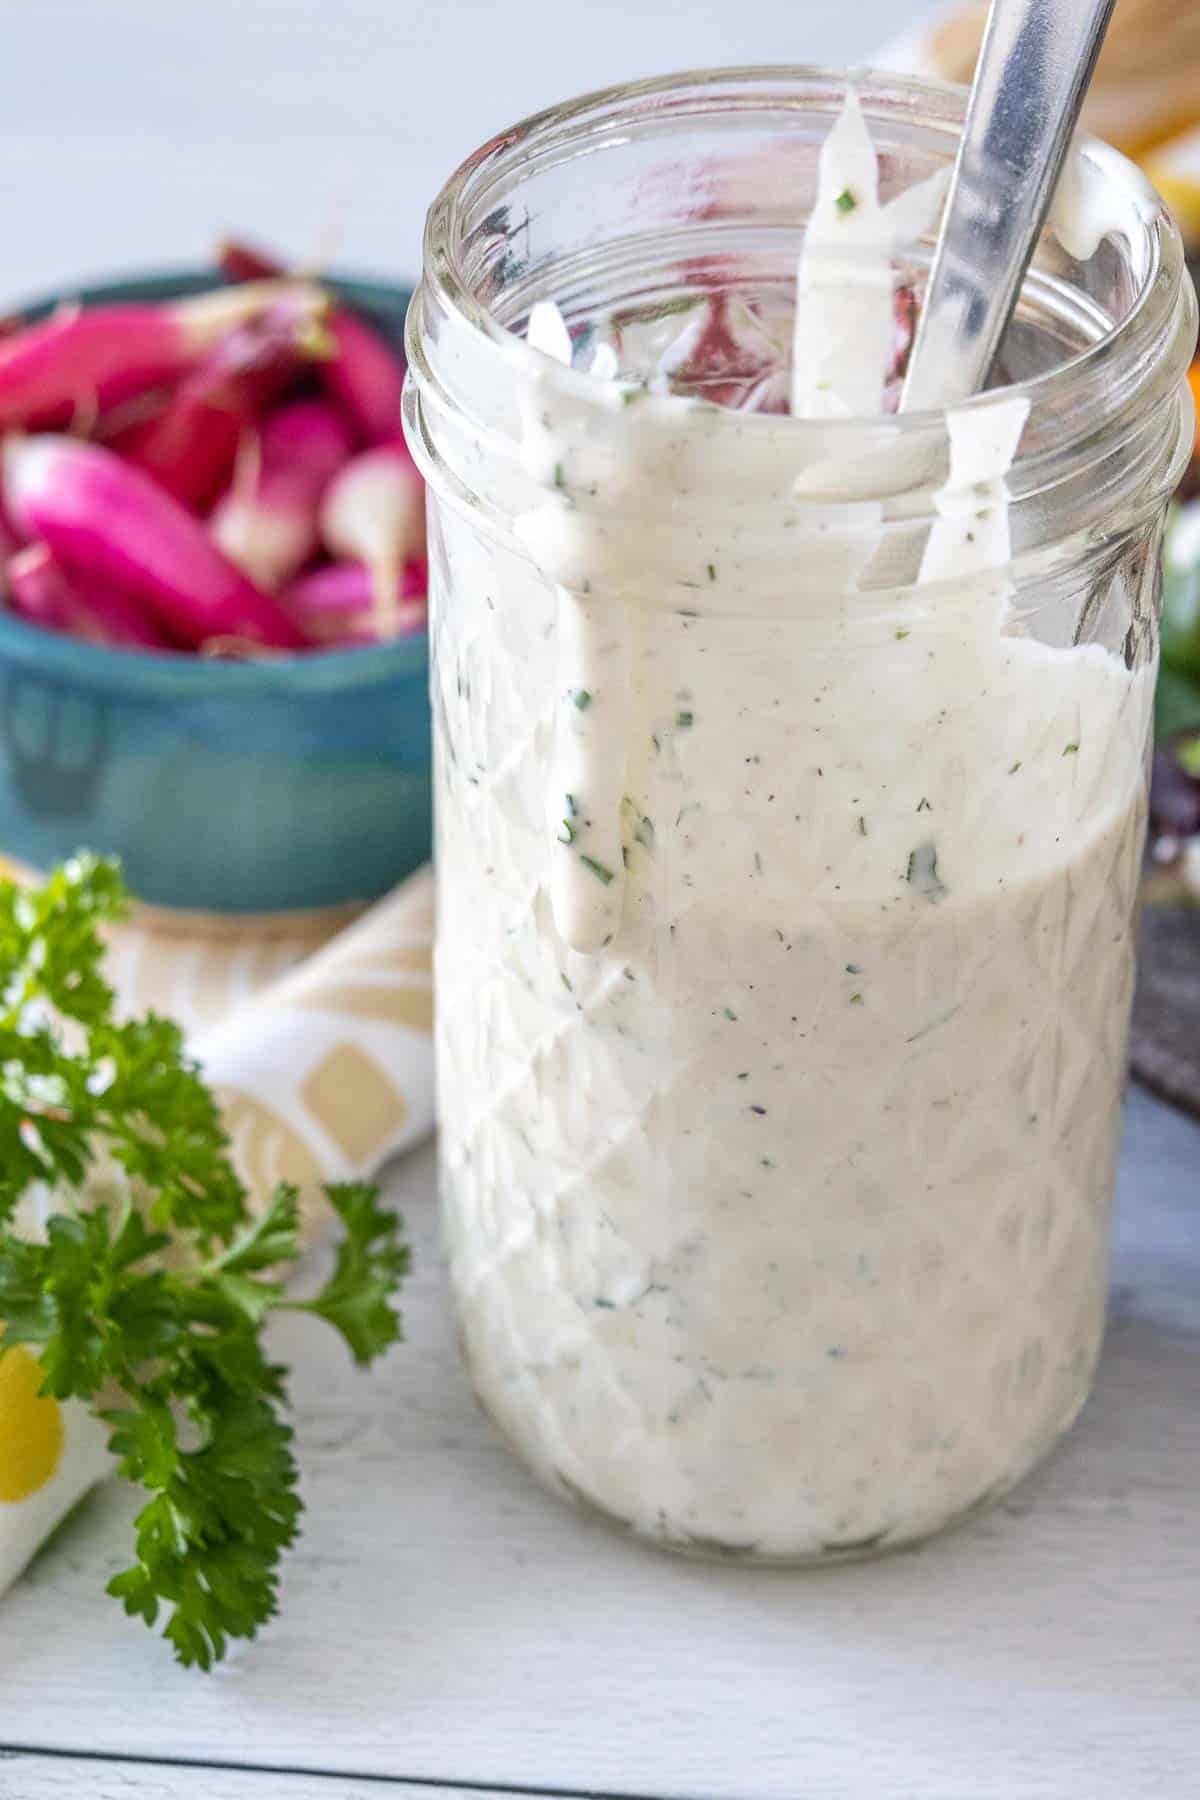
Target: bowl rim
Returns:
[177, 671]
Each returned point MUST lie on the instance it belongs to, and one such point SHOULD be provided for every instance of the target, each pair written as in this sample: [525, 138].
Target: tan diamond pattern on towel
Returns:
[355, 1101]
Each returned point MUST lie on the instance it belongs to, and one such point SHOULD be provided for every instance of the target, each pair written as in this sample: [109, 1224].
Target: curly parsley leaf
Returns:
[147, 1290]
[371, 1263]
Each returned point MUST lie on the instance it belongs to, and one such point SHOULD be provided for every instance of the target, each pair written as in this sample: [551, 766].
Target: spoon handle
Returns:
[1034, 68]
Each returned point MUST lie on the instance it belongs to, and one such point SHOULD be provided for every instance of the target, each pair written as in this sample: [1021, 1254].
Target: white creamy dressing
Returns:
[1086, 208]
[594, 682]
[843, 324]
[782, 1027]
[970, 534]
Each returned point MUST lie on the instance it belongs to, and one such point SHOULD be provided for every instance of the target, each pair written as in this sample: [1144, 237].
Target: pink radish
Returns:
[267, 523]
[33, 588]
[101, 517]
[365, 377]
[374, 512]
[190, 445]
[246, 262]
[10, 543]
[98, 355]
[336, 602]
[906, 310]
[41, 590]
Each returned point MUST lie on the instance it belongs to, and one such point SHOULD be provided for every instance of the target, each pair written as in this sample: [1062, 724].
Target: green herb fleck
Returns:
[712, 571]
[853, 969]
[846, 201]
[856, 1000]
[1071, 749]
[862, 826]
[583, 699]
[572, 807]
[567, 834]
[566, 981]
[597, 868]
[731, 1015]
[1014, 768]
[684, 719]
[643, 833]
[901, 635]
[560, 479]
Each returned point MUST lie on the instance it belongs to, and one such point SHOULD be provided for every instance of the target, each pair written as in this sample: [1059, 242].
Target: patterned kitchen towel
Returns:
[316, 1035]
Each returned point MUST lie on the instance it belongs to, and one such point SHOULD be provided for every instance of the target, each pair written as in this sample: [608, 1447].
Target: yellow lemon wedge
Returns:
[31, 1428]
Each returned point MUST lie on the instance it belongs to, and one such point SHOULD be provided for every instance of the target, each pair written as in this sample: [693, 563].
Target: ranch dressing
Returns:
[782, 1028]
[843, 322]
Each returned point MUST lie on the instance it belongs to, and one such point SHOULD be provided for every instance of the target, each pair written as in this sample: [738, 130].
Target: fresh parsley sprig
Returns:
[146, 1290]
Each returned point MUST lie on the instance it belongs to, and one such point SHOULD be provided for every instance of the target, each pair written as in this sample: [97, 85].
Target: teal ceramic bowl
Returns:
[231, 787]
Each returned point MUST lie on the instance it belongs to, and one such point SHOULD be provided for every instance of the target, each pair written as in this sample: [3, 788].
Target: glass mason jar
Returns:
[790, 786]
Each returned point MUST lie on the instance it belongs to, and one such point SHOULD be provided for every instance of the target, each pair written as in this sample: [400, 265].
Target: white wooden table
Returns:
[448, 1626]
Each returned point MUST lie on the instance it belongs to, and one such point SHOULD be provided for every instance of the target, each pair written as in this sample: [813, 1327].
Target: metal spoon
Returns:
[1034, 69]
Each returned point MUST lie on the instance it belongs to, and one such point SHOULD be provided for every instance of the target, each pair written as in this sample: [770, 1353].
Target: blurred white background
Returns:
[133, 132]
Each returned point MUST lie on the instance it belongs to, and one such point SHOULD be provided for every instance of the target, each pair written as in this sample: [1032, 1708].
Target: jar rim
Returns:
[1093, 384]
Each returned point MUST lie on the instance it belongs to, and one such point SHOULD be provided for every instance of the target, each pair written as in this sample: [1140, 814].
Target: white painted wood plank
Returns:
[32, 1776]
[446, 1619]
